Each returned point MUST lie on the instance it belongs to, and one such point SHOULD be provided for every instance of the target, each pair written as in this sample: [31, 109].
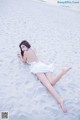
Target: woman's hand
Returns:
[18, 55]
[21, 58]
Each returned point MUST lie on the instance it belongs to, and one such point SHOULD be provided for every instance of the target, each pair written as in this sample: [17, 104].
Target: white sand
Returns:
[55, 33]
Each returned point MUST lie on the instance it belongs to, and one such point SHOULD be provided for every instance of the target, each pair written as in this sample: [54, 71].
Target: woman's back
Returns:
[31, 55]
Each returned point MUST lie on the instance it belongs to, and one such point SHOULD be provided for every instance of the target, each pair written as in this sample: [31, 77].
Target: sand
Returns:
[55, 33]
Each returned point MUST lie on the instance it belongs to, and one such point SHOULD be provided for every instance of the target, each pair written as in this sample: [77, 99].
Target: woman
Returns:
[42, 70]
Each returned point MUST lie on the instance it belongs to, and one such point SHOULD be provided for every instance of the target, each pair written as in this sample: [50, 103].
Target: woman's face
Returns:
[24, 48]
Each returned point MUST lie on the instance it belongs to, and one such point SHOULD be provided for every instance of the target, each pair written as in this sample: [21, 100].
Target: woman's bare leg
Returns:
[46, 83]
[54, 79]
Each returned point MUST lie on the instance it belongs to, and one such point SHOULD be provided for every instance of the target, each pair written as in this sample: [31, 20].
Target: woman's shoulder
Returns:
[29, 50]
[25, 53]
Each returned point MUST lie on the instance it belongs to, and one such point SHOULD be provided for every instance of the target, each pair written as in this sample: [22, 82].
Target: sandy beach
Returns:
[55, 33]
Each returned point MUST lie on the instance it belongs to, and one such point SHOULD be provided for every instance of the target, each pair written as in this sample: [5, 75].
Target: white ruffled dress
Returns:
[40, 67]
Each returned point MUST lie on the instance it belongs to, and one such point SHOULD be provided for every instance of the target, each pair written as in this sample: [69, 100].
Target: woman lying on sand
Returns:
[42, 70]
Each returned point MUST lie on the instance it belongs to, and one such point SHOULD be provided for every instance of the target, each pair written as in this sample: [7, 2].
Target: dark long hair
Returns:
[26, 43]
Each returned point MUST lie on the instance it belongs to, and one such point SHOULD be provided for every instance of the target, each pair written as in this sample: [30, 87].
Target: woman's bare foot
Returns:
[65, 70]
[63, 107]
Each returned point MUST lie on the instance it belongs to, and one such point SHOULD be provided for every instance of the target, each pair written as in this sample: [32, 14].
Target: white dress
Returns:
[38, 67]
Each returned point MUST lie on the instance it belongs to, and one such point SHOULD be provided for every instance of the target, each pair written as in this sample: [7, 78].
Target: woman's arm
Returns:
[23, 59]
